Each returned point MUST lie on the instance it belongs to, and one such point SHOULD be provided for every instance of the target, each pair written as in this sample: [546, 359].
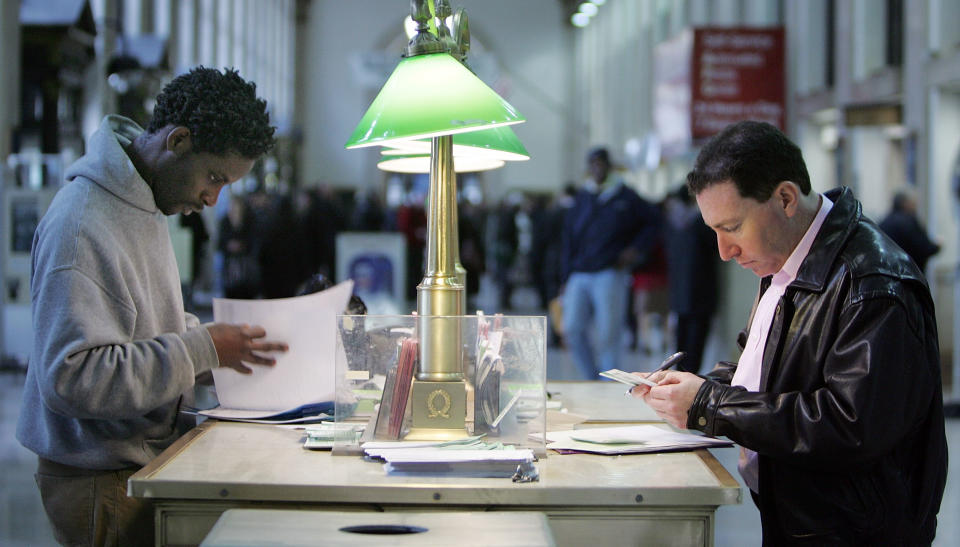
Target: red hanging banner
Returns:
[737, 73]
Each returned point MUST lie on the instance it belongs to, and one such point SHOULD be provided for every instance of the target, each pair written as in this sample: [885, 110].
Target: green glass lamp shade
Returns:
[430, 96]
[497, 142]
[420, 163]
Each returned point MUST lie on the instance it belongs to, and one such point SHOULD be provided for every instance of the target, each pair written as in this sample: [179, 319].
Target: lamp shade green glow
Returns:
[420, 163]
[430, 96]
[498, 142]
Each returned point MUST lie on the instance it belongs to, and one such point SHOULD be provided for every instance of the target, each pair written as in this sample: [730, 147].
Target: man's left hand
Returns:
[673, 396]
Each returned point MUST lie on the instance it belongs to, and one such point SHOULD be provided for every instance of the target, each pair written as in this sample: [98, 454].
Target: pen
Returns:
[670, 361]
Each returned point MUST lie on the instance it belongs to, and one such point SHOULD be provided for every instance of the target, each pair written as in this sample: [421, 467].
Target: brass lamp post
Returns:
[431, 94]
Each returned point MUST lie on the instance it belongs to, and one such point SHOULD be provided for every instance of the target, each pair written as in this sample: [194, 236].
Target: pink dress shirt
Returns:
[749, 366]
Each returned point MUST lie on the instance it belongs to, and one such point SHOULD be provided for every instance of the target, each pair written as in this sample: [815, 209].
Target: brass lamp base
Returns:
[438, 412]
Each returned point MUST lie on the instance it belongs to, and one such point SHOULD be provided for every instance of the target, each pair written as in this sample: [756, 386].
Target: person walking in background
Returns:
[506, 240]
[836, 400]
[553, 261]
[199, 237]
[322, 219]
[283, 256]
[648, 307]
[607, 233]
[241, 270]
[412, 223]
[903, 227]
[368, 214]
[692, 267]
[541, 236]
[115, 357]
[473, 255]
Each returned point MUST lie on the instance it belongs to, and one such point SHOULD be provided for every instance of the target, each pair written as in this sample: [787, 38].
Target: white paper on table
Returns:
[637, 434]
[303, 374]
[629, 440]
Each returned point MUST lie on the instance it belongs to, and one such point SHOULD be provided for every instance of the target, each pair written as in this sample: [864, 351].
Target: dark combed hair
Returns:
[220, 109]
[756, 156]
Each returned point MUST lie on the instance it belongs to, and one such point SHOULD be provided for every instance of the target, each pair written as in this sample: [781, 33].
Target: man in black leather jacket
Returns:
[836, 400]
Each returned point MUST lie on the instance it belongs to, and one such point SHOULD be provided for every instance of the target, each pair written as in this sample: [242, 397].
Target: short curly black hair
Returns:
[220, 109]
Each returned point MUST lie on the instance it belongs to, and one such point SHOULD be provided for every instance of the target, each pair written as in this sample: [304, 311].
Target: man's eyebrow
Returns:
[724, 222]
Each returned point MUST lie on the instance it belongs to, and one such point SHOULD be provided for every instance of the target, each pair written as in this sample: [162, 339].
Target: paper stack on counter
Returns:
[635, 439]
[468, 457]
[461, 463]
[303, 414]
[323, 436]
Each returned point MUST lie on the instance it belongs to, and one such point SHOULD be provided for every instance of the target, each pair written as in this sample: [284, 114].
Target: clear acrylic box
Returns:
[503, 364]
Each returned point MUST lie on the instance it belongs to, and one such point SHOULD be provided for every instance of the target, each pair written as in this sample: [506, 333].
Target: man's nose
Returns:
[726, 249]
[210, 199]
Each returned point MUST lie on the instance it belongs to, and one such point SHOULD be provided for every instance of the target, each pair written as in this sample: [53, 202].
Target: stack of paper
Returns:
[467, 457]
[636, 439]
[323, 436]
[304, 414]
[462, 463]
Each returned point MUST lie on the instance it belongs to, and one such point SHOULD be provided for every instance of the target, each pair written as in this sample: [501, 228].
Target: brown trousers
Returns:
[91, 507]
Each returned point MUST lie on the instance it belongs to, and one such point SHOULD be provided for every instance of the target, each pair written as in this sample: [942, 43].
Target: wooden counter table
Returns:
[653, 499]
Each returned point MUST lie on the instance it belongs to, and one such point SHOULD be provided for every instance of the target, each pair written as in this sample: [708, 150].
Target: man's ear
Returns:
[178, 140]
[787, 195]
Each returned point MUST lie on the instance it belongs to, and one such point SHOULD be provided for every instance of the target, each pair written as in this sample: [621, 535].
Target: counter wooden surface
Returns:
[653, 498]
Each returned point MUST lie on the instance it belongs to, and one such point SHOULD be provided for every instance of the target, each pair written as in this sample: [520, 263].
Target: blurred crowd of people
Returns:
[270, 244]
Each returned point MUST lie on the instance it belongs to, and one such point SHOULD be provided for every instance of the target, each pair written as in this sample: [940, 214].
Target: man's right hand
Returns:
[237, 343]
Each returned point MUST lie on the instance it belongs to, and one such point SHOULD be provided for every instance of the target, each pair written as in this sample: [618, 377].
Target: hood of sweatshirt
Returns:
[107, 164]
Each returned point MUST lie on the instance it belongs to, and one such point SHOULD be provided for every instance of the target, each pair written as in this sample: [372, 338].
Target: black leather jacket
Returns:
[848, 424]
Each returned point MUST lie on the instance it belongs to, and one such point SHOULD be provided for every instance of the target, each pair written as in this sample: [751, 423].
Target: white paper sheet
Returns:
[635, 439]
[304, 374]
[637, 434]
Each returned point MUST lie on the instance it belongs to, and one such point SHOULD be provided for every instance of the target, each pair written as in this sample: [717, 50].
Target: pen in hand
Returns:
[666, 364]
[669, 362]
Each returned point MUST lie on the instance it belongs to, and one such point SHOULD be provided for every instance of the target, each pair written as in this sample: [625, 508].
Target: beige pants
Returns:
[91, 508]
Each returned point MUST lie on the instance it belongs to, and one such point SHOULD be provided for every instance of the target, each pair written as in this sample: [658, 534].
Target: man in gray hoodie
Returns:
[115, 357]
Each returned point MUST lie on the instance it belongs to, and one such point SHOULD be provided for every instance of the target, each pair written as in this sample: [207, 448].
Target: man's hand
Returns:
[672, 397]
[236, 343]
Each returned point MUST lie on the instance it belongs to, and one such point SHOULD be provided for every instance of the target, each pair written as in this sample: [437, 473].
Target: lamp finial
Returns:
[442, 11]
[423, 42]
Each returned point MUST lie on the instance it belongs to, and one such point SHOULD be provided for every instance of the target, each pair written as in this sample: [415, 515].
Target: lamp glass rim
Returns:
[419, 163]
[423, 147]
[430, 135]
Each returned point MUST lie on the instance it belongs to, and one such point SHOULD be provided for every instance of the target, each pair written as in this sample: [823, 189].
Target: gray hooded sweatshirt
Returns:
[114, 355]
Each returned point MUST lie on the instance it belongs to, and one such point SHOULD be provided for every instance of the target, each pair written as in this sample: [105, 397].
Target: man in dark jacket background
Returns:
[609, 231]
[903, 227]
[836, 399]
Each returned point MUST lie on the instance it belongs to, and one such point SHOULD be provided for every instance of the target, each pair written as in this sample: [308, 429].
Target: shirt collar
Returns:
[610, 187]
[788, 272]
